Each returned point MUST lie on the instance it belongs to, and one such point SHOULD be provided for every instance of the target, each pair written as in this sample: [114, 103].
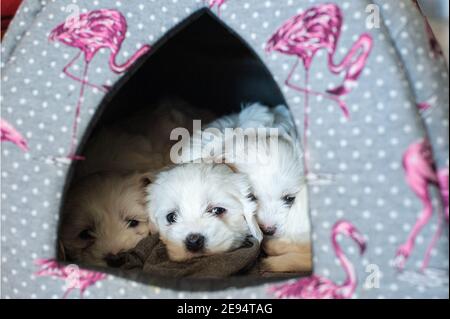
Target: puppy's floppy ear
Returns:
[250, 207]
[232, 166]
[250, 218]
[146, 179]
[249, 204]
[284, 122]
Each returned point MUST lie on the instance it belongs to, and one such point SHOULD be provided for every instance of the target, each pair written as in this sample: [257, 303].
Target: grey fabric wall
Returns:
[362, 154]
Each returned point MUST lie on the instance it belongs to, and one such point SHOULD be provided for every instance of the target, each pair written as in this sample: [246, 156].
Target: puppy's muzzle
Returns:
[115, 261]
[195, 242]
[268, 230]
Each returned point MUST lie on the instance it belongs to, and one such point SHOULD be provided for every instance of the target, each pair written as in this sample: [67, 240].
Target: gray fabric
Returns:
[421, 65]
[363, 154]
[22, 22]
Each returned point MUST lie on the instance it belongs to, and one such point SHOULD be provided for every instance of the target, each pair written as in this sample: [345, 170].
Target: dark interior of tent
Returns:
[201, 61]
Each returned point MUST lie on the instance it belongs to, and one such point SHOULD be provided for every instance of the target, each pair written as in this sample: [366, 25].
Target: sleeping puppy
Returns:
[139, 142]
[202, 209]
[113, 149]
[104, 214]
[273, 163]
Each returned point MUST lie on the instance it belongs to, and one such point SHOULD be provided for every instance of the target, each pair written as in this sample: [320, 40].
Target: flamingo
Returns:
[218, 3]
[10, 134]
[302, 36]
[420, 174]
[424, 106]
[318, 287]
[90, 32]
[74, 277]
[443, 185]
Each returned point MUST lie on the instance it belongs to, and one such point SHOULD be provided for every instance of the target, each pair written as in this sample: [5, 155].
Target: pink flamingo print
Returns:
[10, 134]
[218, 3]
[420, 174]
[74, 277]
[317, 287]
[442, 175]
[424, 106]
[304, 35]
[89, 33]
[443, 186]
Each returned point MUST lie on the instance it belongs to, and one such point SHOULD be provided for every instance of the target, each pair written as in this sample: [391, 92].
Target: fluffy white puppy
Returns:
[104, 214]
[202, 209]
[273, 163]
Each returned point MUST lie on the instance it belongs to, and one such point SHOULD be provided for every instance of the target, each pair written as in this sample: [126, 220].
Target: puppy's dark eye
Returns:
[132, 223]
[86, 235]
[171, 217]
[289, 199]
[252, 197]
[217, 211]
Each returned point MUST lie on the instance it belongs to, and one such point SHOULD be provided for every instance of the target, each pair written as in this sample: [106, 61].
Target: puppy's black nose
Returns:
[195, 242]
[269, 230]
[115, 261]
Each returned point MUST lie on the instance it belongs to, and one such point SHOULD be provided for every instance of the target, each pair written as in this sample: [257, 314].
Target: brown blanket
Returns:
[151, 257]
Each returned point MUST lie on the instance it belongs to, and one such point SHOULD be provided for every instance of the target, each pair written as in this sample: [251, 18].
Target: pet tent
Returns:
[364, 80]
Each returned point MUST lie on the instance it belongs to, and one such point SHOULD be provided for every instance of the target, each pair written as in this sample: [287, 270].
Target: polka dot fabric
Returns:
[358, 159]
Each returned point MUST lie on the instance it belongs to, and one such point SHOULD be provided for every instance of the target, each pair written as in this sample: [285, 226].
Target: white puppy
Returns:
[104, 214]
[273, 163]
[202, 209]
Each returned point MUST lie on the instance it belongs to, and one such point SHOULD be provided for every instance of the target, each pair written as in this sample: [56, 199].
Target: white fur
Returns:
[252, 116]
[191, 190]
[105, 192]
[277, 172]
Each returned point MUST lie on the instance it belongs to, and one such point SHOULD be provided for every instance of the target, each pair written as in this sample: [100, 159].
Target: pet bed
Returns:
[364, 80]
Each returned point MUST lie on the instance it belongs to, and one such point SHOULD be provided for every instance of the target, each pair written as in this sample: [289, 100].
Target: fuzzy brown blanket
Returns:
[150, 256]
